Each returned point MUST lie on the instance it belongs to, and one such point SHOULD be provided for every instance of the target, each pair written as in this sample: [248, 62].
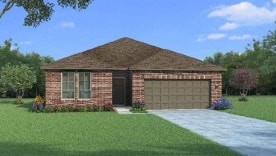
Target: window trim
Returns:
[90, 86]
[62, 98]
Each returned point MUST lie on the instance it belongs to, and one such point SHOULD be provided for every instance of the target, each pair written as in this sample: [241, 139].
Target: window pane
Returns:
[64, 77]
[84, 94]
[87, 85]
[81, 76]
[64, 86]
[71, 76]
[81, 87]
[71, 85]
[84, 85]
[68, 94]
[68, 85]
[87, 77]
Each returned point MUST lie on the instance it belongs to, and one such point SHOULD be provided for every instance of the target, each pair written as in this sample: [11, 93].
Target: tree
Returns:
[244, 79]
[19, 78]
[217, 59]
[39, 11]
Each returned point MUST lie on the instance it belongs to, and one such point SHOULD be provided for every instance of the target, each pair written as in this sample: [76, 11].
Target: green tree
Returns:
[216, 59]
[39, 11]
[13, 57]
[35, 61]
[19, 78]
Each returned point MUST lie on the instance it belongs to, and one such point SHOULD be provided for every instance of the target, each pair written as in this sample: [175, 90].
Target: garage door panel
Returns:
[205, 98]
[204, 91]
[164, 91]
[165, 98]
[196, 91]
[172, 91]
[164, 83]
[156, 91]
[165, 106]
[148, 98]
[172, 105]
[205, 83]
[148, 106]
[181, 98]
[156, 99]
[180, 91]
[173, 98]
[148, 91]
[172, 84]
[171, 94]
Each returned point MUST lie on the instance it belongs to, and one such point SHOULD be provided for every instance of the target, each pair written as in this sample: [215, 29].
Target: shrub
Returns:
[38, 104]
[97, 108]
[108, 107]
[138, 106]
[221, 104]
[49, 109]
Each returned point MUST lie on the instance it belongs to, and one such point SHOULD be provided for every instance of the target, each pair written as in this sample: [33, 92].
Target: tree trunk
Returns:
[19, 95]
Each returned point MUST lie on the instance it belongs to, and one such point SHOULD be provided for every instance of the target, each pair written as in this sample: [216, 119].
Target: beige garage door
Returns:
[176, 94]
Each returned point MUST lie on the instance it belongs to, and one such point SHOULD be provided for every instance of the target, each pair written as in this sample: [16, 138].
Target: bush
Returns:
[108, 107]
[221, 104]
[38, 104]
[138, 106]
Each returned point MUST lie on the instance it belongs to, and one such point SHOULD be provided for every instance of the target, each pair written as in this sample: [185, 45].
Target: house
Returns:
[127, 70]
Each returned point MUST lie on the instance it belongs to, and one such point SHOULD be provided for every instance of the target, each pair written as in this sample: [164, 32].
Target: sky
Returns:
[197, 28]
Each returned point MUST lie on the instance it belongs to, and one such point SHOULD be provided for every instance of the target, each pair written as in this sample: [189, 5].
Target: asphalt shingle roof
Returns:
[127, 53]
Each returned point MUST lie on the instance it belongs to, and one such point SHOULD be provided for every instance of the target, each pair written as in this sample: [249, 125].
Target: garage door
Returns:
[176, 94]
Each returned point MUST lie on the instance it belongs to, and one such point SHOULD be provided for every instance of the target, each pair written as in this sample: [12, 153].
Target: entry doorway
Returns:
[119, 91]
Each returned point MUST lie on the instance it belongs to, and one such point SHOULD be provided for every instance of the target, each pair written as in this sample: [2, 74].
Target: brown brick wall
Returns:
[101, 89]
[138, 82]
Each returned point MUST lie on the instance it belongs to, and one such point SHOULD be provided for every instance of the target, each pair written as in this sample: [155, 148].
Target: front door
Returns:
[119, 91]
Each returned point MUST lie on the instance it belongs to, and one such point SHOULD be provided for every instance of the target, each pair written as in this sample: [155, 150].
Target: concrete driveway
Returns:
[248, 136]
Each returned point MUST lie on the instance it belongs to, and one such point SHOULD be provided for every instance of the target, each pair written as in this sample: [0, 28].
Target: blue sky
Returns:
[197, 28]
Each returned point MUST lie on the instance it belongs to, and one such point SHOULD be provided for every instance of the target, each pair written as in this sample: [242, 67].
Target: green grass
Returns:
[138, 111]
[259, 107]
[96, 133]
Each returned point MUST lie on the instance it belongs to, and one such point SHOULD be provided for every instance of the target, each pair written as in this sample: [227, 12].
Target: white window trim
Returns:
[74, 86]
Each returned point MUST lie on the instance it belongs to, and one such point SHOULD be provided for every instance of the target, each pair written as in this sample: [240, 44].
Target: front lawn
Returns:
[96, 133]
[259, 107]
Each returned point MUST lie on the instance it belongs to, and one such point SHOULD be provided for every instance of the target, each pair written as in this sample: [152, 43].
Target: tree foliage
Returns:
[244, 79]
[19, 78]
[13, 57]
[39, 11]
[261, 57]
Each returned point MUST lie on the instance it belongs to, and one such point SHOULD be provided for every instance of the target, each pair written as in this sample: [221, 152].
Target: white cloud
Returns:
[25, 42]
[273, 1]
[240, 37]
[244, 13]
[211, 37]
[67, 25]
[216, 36]
[229, 26]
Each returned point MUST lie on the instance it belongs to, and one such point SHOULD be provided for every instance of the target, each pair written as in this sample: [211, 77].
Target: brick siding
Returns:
[102, 86]
[139, 77]
[101, 91]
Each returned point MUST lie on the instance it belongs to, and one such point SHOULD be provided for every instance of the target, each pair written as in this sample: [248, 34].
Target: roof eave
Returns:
[138, 69]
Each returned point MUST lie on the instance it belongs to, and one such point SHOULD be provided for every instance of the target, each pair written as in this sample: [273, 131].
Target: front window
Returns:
[68, 85]
[84, 86]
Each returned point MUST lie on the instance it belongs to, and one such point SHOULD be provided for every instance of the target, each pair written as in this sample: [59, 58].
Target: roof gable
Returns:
[126, 53]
